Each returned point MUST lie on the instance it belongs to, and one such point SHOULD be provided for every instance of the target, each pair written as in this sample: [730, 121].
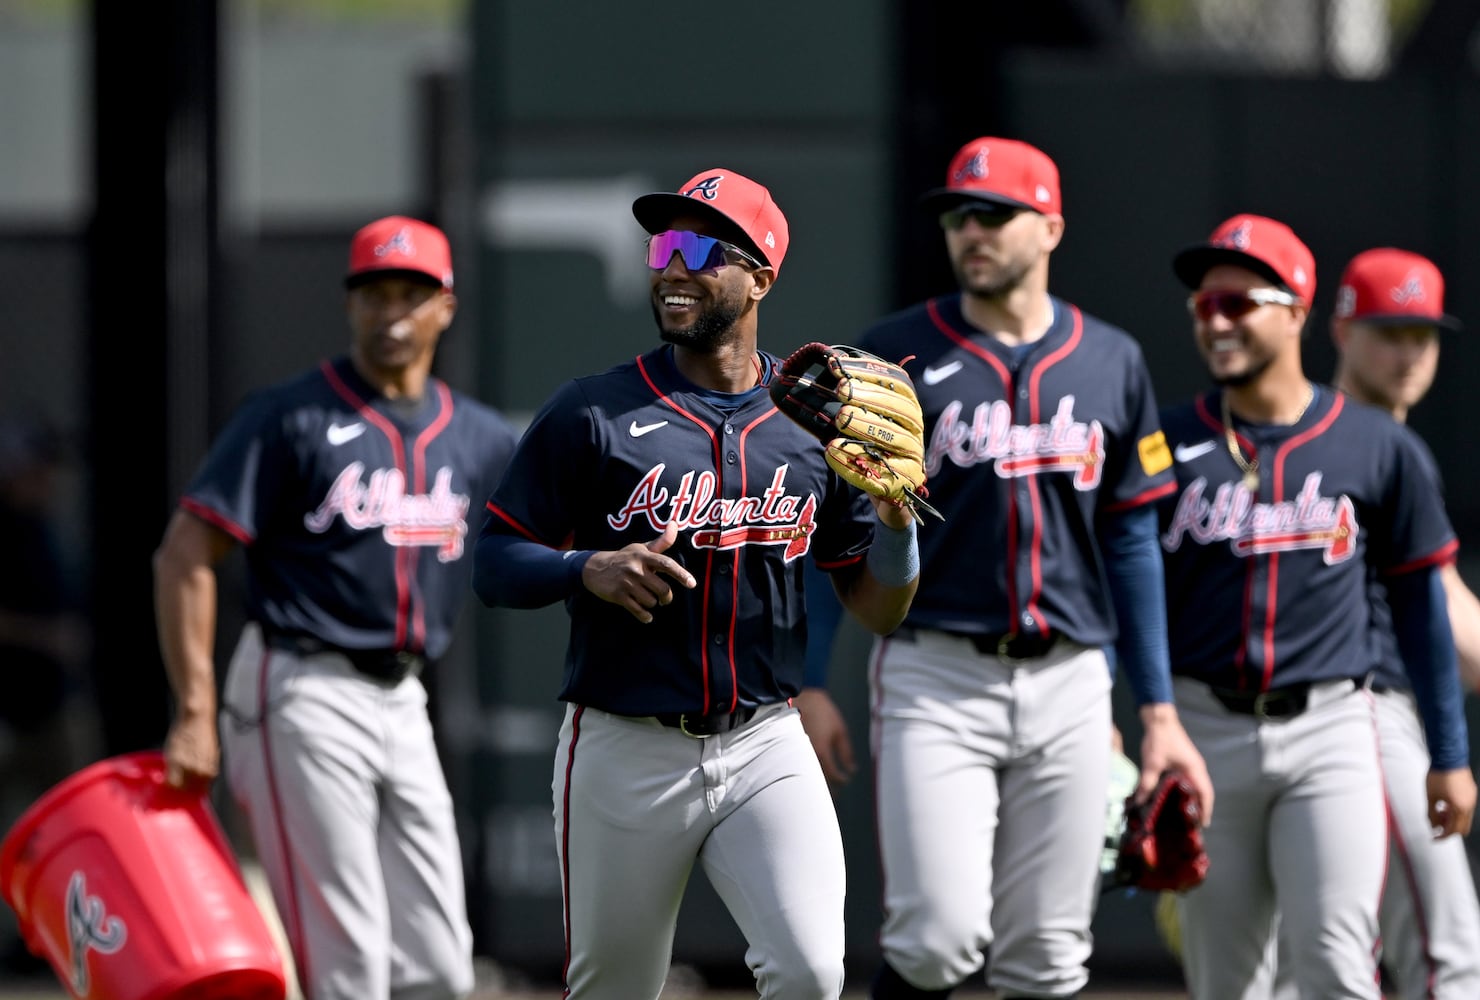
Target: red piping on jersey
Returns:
[398, 454]
[1241, 655]
[1277, 494]
[709, 557]
[838, 563]
[570, 763]
[735, 583]
[210, 516]
[1034, 415]
[1142, 498]
[413, 555]
[966, 344]
[1439, 557]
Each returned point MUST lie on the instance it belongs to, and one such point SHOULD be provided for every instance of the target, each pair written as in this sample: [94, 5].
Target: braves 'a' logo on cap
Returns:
[708, 188]
[974, 169]
[399, 243]
[1410, 291]
[1239, 238]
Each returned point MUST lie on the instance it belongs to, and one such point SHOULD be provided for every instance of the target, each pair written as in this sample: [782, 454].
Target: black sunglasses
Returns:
[988, 216]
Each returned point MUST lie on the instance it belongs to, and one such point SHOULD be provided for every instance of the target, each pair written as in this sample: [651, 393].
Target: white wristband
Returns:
[894, 558]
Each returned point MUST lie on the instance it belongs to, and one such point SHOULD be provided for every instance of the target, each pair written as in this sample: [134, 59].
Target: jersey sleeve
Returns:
[1140, 471]
[538, 494]
[1419, 531]
[241, 475]
[497, 438]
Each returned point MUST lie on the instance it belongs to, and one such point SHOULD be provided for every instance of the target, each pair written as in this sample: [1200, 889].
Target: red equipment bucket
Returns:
[129, 888]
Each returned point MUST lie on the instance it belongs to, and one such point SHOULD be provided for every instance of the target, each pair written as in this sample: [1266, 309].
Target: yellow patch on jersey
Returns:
[1155, 456]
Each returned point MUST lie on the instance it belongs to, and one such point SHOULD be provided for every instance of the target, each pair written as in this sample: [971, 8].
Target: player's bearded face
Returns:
[990, 262]
[711, 324]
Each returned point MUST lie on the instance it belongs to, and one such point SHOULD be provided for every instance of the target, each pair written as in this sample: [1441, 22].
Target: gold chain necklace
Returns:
[1250, 466]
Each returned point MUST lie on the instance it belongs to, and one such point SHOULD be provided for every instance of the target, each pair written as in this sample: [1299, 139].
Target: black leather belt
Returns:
[389, 665]
[1278, 703]
[697, 725]
[1007, 645]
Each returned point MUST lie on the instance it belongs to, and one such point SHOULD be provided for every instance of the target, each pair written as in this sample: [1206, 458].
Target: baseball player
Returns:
[991, 715]
[1389, 311]
[1293, 501]
[351, 488]
[671, 506]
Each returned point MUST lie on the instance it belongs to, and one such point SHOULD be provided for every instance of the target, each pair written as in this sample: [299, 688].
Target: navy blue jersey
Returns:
[1067, 423]
[609, 460]
[354, 510]
[1345, 497]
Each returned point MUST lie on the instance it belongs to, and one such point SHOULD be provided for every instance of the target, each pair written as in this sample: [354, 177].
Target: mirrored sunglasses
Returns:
[989, 216]
[1235, 305]
[699, 253]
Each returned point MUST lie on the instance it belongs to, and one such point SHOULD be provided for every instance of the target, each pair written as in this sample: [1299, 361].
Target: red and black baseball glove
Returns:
[1162, 845]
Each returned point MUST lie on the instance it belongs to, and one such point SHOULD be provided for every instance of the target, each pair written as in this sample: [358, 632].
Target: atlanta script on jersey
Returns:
[1345, 496]
[343, 492]
[752, 495]
[1068, 423]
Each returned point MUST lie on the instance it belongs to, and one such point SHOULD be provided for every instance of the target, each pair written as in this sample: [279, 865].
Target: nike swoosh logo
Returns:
[1187, 452]
[638, 430]
[339, 435]
[933, 375]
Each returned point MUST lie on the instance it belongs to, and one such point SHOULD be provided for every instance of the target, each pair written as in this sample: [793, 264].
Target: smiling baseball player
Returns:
[671, 506]
[1292, 501]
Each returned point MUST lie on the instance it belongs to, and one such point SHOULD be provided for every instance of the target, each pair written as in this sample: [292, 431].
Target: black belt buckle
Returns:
[390, 665]
[702, 727]
[1016, 646]
[1280, 703]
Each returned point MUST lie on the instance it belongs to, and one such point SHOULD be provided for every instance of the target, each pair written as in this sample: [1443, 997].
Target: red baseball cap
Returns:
[746, 214]
[1388, 287]
[1000, 172]
[1259, 244]
[402, 245]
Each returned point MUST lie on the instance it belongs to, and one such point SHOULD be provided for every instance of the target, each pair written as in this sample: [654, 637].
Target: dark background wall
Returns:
[529, 152]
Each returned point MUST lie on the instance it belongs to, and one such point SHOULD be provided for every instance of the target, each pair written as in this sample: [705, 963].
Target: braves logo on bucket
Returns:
[89, 928]
[708, 188]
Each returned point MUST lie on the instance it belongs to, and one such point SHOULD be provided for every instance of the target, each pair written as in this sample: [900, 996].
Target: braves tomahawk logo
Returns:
[1410, 291]
[1308, 521]
[400, 243]
[708, 188]
[773, 518]
[89, 928]
[1063, 444]
[974, 169]
[438, 518]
